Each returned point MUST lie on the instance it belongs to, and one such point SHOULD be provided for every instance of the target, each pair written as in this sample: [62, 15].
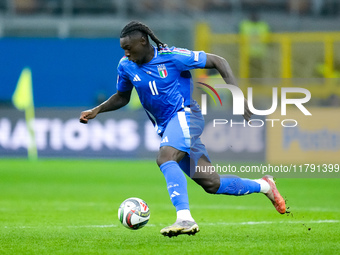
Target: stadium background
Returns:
[72, 49]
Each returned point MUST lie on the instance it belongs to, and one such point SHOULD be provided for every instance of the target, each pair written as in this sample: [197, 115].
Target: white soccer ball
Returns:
[134, 213]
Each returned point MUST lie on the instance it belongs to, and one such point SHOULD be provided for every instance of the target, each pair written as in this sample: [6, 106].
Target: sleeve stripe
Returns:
[182, 51]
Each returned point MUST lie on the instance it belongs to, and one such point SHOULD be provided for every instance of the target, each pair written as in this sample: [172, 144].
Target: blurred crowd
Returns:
[145, 7]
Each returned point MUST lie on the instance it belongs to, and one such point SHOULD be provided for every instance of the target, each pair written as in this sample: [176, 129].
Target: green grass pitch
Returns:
[70, 207]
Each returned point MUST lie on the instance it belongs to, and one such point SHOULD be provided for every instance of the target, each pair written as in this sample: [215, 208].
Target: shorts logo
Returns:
[163, 73]
[165, 140]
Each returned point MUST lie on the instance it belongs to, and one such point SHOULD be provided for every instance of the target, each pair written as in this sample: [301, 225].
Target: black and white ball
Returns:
[134, 213]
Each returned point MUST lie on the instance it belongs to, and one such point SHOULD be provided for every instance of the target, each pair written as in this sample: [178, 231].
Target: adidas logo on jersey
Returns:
[136, 78]
[165, 140]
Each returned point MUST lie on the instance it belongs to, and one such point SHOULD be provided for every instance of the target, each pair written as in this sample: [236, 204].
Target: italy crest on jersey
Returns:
[163, 73]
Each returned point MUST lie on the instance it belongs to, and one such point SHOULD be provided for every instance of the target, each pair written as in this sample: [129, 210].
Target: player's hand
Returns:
[247, 112]
[85, 116]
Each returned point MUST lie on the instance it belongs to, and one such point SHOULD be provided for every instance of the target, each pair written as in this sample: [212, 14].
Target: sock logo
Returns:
[171, 186]
[175, 193]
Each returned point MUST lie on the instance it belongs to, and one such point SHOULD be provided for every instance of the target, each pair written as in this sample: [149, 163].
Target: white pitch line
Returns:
[271, 222]
[259, 208]
[94, 226]
[204, 224]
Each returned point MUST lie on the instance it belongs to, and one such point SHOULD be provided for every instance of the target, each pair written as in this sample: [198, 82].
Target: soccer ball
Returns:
[134, 213]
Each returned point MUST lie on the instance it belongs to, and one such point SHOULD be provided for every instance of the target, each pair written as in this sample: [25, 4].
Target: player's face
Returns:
[134, 48]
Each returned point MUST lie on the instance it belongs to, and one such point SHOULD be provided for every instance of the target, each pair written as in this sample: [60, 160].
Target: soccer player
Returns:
[162, 79]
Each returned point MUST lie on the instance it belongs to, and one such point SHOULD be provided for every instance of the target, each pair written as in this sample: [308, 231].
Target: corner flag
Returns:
[23, 101]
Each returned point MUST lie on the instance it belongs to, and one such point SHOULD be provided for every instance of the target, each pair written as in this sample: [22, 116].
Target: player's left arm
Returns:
[223, 67]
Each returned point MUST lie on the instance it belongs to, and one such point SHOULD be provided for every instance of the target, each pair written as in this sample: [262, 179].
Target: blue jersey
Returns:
[158, 82]
[186, 87]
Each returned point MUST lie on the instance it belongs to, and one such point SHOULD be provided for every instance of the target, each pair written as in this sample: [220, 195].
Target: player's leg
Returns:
[211, 181]
[174, 146]
[177, 188]
[214, 183]
[175, 179]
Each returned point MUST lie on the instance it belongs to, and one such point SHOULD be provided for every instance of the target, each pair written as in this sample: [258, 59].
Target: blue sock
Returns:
[231, 185]
[176, 184]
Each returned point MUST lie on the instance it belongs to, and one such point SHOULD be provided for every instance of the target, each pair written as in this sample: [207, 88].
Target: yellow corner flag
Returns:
[23, 100]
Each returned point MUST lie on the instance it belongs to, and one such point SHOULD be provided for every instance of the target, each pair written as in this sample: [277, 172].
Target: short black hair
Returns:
[135, 26]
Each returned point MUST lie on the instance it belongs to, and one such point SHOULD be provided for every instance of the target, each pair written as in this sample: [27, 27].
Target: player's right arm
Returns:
[115, 102]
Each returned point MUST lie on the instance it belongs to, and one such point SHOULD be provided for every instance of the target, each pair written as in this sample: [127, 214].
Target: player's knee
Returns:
[161, 160]
[167, 153]
[163, 156]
